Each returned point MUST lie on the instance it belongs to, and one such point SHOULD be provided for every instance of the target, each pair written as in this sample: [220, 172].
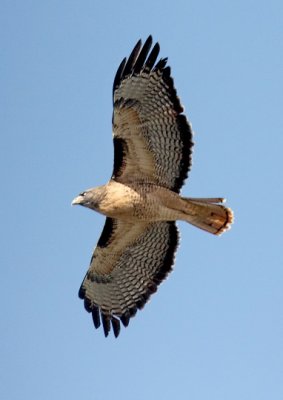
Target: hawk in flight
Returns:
[141, 202]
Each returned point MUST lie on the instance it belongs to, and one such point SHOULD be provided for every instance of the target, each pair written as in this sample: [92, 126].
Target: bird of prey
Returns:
[141, 202]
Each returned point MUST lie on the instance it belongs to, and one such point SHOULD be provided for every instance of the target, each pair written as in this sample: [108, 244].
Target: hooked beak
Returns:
[77, 200]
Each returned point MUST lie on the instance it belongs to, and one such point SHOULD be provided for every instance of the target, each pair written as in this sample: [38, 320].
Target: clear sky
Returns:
[214, 330]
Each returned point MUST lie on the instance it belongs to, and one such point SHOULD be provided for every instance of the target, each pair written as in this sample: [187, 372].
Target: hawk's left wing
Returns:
[128, 264]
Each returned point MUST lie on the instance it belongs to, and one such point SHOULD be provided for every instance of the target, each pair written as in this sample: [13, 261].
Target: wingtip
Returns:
[105, 324]
[95, 317]
[149, 41]
[115, 326]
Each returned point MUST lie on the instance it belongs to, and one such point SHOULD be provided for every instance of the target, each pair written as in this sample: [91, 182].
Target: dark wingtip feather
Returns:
[166, 72]
[133, 311]
[125, 319]
[95, 316]
[106, 324]
[142, 56]
[142, 300]
[161, 64]
[115, 326]
[152, 57]
[149, 40]
[81, 292]
[119, 73]
[88, 304]
[132, 59]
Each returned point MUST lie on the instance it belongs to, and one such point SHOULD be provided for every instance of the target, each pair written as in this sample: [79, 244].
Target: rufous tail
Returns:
[207, 214]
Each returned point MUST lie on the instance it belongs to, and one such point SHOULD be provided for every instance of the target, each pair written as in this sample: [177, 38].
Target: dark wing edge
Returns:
[140, 60]
[162, 272]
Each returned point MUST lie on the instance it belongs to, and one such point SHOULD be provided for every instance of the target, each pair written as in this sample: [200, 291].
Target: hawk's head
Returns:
[91, 198]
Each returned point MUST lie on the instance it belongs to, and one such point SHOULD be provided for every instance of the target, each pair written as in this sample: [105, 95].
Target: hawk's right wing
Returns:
[152, 138]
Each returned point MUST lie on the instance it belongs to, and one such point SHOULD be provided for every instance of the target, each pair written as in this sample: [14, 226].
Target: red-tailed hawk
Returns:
[152, 157]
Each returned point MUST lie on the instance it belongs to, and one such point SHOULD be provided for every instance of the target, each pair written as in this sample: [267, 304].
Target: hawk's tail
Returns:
[206, 214]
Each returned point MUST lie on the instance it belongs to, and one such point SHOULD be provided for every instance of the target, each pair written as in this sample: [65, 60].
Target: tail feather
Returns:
[206, 214]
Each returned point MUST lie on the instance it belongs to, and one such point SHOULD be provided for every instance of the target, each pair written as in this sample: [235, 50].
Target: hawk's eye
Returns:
[83, 194]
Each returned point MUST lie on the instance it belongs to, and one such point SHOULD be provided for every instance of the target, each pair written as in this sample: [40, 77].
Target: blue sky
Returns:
[215, 328]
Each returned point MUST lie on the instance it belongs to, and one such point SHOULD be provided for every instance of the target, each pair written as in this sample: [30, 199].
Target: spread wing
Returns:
[152, 138]
[128, 264]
